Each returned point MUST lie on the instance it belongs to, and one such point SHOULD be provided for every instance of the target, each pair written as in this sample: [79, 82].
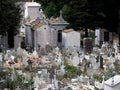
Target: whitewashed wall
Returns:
[116, 87]
[97, 34]
[71, 39]
[31, 10]
[45, 36]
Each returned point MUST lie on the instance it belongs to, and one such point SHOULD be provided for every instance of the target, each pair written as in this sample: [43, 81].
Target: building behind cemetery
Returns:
[102, 35]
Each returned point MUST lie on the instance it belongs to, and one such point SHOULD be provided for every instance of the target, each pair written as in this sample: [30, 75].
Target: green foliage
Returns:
[110, 73]
[71, 71]
[79, 13]
[19, 79]
[52, 7]
[70, 68]
[11, 84]
[98, 77]
[10, 16]
[85, 13]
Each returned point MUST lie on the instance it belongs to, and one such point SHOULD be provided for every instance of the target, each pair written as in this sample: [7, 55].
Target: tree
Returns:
[112, 15]
[84, 14]
[10, 17]
[52, 7]
[112, 20]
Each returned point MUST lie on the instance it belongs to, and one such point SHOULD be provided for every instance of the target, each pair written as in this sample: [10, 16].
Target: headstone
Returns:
[35, 54]
[76, 60]
[18, 88]
[12, 57]
[37, 82]
[1, 60]
[58, 59]
[62, 68]
[19, 51]
[7, 55]
[13, 75]
[112, 67]
[87, 45]
[57, 50]
[25, 57]
[99, 59]
[87, 56]
[105, 67]
[1, 57]
[101, 62]
[104, 49]
[94, 64]
[55, 82]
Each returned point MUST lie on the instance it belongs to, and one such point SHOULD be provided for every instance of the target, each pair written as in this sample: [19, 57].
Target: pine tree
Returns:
[10, 17]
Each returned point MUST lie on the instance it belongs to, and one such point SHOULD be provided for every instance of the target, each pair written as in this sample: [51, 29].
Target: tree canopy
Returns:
[85, 13]
[52, 7]
[10, 17]
[82, 14]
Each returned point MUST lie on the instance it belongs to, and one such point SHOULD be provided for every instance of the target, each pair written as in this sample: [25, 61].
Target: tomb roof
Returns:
[39, 25]
[113, 81]
[32, 4]
[67, 30]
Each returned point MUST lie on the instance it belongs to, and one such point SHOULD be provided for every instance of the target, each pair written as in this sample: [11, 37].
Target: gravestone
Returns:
[101, 62]
[7, 55]
[99, 59]
[116, 49]
[87, 45]
[58, 59]
[1, 56]
[57, 50]
[35, 54]
[19, 51]
[25, 57]
[76, 60]
[37, 82]
[62, 68]
[1, 60]
[104, 48]
[94, 64]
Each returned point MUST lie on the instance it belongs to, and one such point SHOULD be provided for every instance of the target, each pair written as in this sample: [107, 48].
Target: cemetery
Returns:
[60, 69]
[56, 58]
